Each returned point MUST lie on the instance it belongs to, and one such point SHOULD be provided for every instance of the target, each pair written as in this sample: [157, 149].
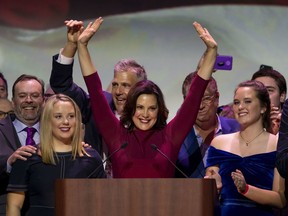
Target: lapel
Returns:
[190, 158]
[191, 143]
[9, 133]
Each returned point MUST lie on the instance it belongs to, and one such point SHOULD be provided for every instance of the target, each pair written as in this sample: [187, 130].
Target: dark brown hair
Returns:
[144, 87]
[263, 96]
[277, 76]
[25, 77]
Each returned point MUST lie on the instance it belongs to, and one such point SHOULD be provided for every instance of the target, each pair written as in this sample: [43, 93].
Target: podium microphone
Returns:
[153, 146]
[124, 145]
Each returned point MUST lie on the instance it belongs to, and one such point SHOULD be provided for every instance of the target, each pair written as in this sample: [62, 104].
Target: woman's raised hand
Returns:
[205, 36]
[89, 31]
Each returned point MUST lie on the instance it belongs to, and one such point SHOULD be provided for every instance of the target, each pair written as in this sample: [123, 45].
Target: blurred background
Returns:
[157, 34]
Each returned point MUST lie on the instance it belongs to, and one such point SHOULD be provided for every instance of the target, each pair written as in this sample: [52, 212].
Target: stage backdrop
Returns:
[161, 39]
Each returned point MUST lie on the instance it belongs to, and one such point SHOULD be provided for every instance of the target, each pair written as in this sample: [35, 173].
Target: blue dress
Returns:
[258, 171]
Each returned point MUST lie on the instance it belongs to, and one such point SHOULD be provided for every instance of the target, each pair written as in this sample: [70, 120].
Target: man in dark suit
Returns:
[27, 100]
[193, 153]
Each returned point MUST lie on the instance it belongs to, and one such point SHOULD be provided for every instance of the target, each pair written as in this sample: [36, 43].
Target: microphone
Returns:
[154, 147]
[124, 145]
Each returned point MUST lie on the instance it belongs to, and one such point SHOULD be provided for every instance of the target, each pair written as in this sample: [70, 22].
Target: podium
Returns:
[135, 197]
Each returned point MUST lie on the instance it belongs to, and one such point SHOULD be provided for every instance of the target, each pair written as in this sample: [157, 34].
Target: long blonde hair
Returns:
[46, 144]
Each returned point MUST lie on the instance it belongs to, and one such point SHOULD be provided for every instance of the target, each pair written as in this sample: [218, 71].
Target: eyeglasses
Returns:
[207, 99]
[4, 114]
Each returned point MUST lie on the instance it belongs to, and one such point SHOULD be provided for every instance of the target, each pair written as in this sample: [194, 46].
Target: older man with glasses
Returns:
[193, 153]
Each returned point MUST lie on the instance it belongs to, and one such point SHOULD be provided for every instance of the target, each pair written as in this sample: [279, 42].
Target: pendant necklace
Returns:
[248, 142]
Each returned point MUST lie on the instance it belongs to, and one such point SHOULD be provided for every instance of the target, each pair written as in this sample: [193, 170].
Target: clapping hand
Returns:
[211, 174]
[239, 180]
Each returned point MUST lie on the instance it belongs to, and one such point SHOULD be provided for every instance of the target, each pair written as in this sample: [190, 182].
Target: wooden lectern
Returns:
[135, 197]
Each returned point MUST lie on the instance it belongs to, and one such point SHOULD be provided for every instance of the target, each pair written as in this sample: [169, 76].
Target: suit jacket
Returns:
[9, 142]
[282, 152]
[190, 159]
[61, 81]
[282, 146]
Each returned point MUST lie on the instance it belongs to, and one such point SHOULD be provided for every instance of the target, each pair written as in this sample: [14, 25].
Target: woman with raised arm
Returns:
[143, 122]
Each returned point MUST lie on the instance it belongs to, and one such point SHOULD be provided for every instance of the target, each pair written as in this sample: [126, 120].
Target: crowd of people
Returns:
[66, 132]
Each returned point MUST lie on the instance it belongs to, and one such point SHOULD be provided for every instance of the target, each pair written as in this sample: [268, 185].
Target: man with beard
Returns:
[193, 153]
[27, 101]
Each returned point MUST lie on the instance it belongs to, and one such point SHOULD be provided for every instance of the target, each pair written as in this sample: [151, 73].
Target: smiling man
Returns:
[276, 85]
[127, 72]
[27, 101]
[193, 153]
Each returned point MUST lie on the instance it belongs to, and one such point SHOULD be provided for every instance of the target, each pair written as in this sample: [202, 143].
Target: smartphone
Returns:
[266, 67]
[223, 62]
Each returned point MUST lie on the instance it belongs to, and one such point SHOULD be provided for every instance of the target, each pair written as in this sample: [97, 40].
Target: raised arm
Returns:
[61, 78]
[104, 118]
[183, 122]
[206, 70]
[73, 32]
[86, 63]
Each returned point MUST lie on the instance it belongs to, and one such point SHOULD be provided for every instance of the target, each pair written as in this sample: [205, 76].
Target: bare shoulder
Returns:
[223, 141]
[272, 142]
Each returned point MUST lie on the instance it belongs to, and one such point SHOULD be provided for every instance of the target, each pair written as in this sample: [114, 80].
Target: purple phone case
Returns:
[223, 62]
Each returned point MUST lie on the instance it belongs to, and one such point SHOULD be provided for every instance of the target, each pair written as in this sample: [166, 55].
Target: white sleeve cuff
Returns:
[63, 59]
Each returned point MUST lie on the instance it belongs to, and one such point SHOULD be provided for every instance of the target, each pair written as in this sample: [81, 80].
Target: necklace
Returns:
[248, 142]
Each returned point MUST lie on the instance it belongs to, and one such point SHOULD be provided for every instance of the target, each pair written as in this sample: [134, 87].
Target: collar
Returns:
[20, 126]
[217, 130]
